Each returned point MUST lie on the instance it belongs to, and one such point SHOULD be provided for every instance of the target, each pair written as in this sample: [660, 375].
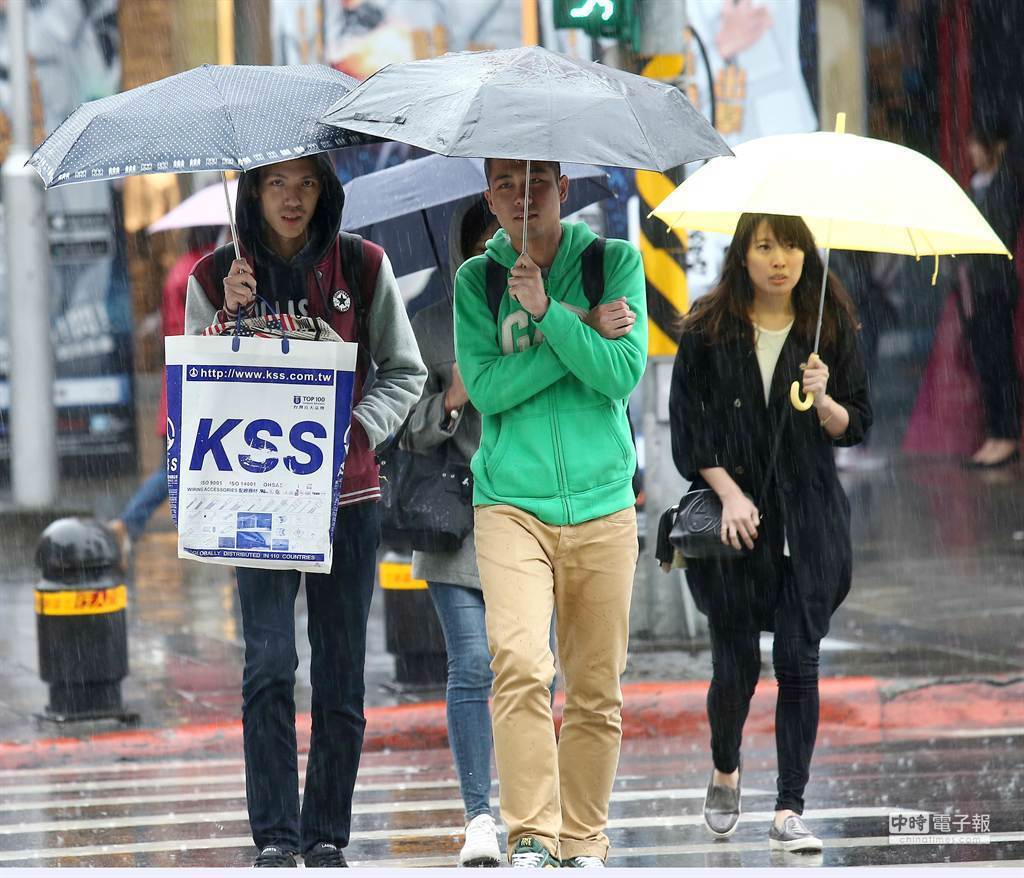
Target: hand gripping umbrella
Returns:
[211, 118]
[530, 103]
[854, 193]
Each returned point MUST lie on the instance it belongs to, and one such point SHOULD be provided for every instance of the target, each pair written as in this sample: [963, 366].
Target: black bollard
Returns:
[411, 630]
[81, 621]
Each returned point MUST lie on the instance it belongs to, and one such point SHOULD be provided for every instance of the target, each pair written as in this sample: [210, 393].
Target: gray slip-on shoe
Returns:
[794, 836]
[722, 807]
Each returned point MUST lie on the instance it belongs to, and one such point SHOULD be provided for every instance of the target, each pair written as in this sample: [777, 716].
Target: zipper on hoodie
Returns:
[563, 486]
[563, 483]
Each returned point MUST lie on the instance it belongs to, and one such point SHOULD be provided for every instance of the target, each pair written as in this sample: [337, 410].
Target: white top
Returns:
[768, 344]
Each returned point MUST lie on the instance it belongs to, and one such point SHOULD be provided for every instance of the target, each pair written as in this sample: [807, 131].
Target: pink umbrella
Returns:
[203, 208]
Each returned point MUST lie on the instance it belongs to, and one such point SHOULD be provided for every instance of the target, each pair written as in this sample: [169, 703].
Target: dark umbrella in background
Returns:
[407, 209]
[530, 103]
[211, 118]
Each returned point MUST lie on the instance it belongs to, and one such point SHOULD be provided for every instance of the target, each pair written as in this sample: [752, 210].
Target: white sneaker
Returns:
[481, 847]
[583, 863]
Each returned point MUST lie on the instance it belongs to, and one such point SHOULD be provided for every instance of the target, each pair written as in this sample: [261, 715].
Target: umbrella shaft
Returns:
[526, 206]
[821, 301]
[231, 215]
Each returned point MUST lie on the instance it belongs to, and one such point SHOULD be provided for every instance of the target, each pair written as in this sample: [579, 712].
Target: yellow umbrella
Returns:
[854, 193]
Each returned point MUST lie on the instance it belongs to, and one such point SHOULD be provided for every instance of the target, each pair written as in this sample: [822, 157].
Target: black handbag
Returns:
[426, 500]
[694, 526]
[697, 527]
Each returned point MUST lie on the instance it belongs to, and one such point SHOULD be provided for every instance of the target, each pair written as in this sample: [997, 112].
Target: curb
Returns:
[854, 711]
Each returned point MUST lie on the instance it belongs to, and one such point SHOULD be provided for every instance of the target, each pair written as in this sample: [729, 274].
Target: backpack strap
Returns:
[592, 259]
[352, 268]
[497, 283]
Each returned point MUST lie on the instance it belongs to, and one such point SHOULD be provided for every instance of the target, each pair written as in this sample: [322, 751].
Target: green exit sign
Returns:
[599, 18]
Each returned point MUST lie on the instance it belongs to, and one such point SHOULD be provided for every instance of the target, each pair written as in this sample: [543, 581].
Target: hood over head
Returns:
[469, 220]
[323, 227]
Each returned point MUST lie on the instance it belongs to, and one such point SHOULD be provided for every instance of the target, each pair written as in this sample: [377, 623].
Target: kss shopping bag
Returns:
[256, 443]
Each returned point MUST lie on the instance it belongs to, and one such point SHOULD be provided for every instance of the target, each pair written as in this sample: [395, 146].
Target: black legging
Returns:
[990, 331]
[736, 665]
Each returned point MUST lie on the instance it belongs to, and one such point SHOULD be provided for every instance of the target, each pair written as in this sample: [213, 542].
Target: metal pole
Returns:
[231, 214]
[33, 419]
[526, 207]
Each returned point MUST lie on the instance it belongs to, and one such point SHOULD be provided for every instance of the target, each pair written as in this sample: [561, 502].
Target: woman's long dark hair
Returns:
[725, 312]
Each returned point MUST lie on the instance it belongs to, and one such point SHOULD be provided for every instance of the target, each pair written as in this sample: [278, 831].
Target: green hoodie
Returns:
[555, 438]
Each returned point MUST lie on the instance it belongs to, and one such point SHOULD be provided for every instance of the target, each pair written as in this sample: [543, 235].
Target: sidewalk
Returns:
[855, 711]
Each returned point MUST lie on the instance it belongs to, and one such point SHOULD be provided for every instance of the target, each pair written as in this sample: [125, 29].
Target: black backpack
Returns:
[592, 259]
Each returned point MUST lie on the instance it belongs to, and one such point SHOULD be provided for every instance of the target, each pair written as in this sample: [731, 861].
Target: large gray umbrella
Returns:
[530, 103]
[211, 118]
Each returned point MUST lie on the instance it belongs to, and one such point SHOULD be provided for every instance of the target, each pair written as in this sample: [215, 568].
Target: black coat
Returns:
[993, 278]
[719, 418]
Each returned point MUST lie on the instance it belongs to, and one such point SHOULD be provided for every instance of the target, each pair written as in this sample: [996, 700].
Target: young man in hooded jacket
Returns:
[288, 217]
[555, 518]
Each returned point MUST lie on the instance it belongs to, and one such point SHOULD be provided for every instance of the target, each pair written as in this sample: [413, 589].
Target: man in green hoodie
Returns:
[555, 519]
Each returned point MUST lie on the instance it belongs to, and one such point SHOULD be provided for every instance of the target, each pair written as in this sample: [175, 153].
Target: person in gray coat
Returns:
[443, 415]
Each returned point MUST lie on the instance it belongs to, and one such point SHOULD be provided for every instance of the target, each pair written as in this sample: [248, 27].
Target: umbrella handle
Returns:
[800, 404]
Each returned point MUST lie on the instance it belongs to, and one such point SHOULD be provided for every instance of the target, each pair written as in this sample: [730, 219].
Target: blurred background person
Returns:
[445, 417]
[988, 299]
[152, 493]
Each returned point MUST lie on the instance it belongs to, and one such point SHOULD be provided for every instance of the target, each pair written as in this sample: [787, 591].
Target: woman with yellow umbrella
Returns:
[767, 461]
[735, 432]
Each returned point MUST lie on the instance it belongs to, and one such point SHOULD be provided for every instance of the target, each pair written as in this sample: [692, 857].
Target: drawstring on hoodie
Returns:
[317, 274]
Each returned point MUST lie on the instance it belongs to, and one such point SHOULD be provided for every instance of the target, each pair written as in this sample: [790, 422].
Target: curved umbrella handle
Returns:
[801, 405]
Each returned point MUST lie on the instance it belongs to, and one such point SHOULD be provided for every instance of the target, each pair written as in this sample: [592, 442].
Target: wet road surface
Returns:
[191, 811]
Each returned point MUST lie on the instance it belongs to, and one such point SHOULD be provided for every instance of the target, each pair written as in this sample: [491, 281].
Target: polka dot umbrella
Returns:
[211, 118]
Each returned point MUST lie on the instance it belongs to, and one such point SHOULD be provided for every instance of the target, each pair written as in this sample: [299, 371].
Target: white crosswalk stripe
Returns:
[408, 812]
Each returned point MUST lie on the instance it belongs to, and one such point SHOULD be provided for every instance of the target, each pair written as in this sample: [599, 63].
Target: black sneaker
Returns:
[274, 857]
[324, 856]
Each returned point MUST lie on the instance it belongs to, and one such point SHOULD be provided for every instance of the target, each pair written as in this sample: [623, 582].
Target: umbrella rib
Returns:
[910, 235]
[74, 142]
[647, 142]
[928, 243]
[462, 121]
[207, 68]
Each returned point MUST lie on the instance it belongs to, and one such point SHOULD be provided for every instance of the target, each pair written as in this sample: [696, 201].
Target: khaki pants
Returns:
[557, 792]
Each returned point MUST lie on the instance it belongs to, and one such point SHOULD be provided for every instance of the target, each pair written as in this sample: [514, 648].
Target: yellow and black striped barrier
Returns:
[663, 249]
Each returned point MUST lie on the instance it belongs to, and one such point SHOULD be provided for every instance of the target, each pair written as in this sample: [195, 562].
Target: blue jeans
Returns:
[144, 502]
[338, 604]
[461, 613]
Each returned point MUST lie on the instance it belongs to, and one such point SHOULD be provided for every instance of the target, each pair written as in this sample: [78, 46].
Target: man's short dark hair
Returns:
[555, 166]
